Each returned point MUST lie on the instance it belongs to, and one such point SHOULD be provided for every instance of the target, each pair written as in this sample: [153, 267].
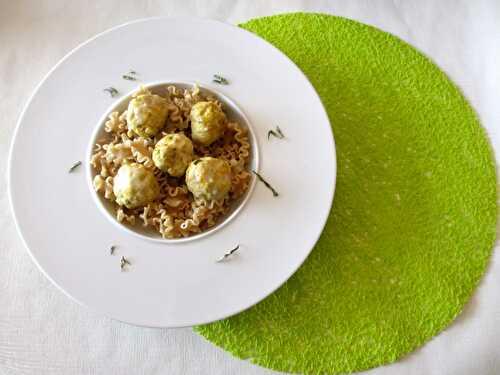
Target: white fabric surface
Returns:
[44, 332]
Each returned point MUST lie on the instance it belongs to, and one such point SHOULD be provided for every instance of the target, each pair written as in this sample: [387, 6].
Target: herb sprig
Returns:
[74, 166]
[267, 184]
[220, 80]
[228, 254]
[124, 262]
[276, 133]
[112, 91]
[130, 76]
[112, 249]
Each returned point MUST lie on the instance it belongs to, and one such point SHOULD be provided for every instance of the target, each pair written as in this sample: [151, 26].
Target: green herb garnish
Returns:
[278, 133]
[228, 254]
[112, 91]
[196, 161]
[220, 80]
[123, 262]
[261, 179]
[74, 166]
[130, 75]
[112, 249]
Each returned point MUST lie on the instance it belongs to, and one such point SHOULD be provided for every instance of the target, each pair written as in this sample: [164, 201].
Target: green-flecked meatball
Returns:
[207, 122]
[134, 185]
[146, 114]
[209, 178]
[173, 153]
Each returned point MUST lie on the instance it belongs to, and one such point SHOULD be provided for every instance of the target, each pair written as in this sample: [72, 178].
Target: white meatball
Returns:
[134, 185]
[173, 153]
[209, 178]
[146, 114]
[207, 122]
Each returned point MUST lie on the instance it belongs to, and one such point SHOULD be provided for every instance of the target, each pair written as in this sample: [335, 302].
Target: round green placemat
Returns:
[414, 215]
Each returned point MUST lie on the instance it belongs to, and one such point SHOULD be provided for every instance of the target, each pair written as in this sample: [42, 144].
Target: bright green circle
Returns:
[414, 215]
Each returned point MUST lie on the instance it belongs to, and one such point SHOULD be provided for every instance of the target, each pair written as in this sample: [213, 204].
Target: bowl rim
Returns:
[98, 200]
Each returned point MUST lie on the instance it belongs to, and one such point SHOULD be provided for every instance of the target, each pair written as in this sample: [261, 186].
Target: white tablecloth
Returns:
[44, 332]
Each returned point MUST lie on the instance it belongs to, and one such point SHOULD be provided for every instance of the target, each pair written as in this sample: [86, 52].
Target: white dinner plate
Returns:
[171, 284]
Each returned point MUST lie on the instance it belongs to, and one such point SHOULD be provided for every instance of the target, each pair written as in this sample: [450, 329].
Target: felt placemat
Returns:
[414, 215]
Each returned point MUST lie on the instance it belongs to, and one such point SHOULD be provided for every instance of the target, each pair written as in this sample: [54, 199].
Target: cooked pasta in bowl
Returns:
[172, 161]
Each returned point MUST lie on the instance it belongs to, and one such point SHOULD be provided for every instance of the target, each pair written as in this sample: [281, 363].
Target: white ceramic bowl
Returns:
[233, 113]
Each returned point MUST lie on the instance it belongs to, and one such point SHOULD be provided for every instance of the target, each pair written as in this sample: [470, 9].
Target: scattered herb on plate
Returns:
[112, 249]
[124, 262]
[267, 184]
[74, 166]
[228, 254]
[130, 76]
[112, 91]
[276, 133]
[220, 80]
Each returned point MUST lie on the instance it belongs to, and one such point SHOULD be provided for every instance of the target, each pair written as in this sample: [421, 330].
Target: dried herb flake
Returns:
[220, 80]
[267, 184]
[124, 262]
[74, 166]
[228, 254]
[112, 91]
[276, 133]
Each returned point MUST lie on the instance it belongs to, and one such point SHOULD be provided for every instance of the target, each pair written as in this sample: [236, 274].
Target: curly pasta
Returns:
[175, 213]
